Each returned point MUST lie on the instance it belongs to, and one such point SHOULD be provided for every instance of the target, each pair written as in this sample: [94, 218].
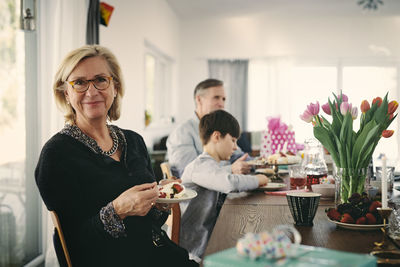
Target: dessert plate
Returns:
[360, 227]
[189, 194]
[272, 187]
[266, 171]
[257, 162]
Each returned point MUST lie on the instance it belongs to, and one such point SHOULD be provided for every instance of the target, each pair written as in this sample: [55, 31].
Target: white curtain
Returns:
[269, 86]
[61, 28]
[234, 75]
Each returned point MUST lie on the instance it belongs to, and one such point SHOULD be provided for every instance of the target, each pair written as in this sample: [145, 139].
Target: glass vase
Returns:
[349, 181]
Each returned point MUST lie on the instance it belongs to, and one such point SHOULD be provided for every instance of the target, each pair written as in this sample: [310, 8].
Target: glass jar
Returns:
[313, 162]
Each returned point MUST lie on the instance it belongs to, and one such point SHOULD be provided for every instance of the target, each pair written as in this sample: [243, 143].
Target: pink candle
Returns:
[384, 183]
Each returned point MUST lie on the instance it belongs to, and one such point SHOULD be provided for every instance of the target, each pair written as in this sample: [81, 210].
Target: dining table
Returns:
[257, 211]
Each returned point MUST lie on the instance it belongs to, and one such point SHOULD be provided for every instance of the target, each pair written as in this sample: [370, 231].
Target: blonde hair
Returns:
[68, 65]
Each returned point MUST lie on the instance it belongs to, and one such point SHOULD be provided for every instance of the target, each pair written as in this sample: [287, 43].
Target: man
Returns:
[184, 143]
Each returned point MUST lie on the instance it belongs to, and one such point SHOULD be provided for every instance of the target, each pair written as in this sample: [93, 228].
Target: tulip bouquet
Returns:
[351, 151]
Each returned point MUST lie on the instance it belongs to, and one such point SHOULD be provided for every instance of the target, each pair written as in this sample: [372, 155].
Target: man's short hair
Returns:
[218, 120]
[204, 85]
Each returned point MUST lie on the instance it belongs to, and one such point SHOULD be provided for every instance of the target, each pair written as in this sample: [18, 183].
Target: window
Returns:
[368, 82]
[19, 205]
[285, 89]
[158, 76]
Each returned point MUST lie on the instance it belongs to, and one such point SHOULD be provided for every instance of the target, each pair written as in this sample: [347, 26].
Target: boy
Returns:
[208, 176]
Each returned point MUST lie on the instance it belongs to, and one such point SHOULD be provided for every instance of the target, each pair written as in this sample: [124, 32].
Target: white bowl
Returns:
[326, 190]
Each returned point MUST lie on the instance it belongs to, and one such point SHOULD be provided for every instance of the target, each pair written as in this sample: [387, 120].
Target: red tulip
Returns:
[365, 106]
[392, 107]
[387, 133]
[377, 100]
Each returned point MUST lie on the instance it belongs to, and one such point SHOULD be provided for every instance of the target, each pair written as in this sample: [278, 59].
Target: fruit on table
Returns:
[370, 218]
[359, 210]
[333, 214]
[346, 218]
[374, 206]
[361, 220]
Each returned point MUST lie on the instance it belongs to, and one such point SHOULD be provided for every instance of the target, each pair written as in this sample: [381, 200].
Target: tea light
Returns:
[384, 183]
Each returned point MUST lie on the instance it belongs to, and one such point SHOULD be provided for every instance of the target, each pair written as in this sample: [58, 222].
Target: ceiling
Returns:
[197, 9]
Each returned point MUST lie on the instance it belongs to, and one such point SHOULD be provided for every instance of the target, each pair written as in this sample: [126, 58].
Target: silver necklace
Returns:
[115, 143]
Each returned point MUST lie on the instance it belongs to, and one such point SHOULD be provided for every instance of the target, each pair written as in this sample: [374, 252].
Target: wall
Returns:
[190, 42]
[131, 23]
[285, 34]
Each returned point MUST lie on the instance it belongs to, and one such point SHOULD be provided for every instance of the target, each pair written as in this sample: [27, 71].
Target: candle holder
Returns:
[385, 213]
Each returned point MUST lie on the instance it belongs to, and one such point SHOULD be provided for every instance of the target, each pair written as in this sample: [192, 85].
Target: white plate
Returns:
[283, 171]
[189, 194]
[360, 227]
[282, 164]
[256, 162]
[265, 171]
[272, 187]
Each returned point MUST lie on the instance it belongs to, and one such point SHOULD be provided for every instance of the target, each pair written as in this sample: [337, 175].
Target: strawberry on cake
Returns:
[171, 190]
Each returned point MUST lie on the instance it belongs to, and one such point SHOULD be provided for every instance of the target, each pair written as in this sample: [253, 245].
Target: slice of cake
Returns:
[283, 158]
[171, 190]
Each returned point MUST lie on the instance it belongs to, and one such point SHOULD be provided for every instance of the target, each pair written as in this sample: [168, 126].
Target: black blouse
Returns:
[79, 183]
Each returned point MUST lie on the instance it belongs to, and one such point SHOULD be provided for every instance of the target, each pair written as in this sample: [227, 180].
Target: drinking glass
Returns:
[298, 178]
[394, 224]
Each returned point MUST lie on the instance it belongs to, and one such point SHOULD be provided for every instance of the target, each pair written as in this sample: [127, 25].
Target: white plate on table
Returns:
[256, 162]
[189, 194]
[266, 171]
[360, 227]
[272, 187]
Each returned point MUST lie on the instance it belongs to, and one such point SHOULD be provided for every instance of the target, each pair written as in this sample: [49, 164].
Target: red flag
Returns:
[105, 13]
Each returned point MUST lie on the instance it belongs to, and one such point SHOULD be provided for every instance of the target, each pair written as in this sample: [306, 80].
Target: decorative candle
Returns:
[384, 183]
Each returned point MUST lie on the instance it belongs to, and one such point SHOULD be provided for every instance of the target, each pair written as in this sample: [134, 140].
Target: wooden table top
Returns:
[256, 212]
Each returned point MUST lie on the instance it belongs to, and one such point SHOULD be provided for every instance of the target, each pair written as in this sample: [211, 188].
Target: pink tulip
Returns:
[345, 107]
[313, 108]
[354, 113]
[326, 108]
[344, 98]
[306, 116]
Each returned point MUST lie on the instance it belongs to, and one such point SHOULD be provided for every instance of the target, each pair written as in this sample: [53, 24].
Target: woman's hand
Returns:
[136, 201]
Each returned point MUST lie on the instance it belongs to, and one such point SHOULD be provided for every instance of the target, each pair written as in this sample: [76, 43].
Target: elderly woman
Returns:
[98, 177]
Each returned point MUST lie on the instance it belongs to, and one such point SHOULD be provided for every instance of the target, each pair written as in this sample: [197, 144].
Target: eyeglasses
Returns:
[100, 83]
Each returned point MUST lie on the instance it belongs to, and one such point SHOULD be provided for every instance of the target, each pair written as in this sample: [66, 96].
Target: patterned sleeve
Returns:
[112, 222]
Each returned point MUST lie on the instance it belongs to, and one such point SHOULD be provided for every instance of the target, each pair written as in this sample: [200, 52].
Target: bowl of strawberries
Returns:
[360, 213]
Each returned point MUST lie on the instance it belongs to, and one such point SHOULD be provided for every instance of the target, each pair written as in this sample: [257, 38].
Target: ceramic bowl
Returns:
[326, 190]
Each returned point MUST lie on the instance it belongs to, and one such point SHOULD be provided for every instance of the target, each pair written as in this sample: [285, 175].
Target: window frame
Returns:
[163, 115]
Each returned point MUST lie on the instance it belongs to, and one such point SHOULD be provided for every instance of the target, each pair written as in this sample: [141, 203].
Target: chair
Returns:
[166, 170]
[174, 220]
[63, 258]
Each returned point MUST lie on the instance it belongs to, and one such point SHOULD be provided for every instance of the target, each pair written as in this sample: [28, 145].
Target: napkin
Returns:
[283, 193]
